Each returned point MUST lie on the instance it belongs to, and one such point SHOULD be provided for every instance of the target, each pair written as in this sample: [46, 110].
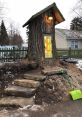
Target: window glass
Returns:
[74, 44]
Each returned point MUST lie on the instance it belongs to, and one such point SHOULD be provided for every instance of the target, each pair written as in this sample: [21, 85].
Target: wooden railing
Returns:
[12, 54]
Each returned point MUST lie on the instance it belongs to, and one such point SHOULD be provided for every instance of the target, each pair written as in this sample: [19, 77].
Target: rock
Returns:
[53, 71]
[9, 101]
[27, 83]
[19, 91]
[33, 65]
[34, 77]
[63, 63]
[71, 60]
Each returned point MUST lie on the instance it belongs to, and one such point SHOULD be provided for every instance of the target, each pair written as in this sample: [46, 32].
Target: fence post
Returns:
[13, 53]
[69, 52]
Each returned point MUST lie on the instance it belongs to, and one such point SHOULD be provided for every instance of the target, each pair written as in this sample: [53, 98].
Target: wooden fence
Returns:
[12, 54]
[71, 53]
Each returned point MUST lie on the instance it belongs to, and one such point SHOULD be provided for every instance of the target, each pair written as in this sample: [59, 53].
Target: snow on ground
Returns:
[79, 64]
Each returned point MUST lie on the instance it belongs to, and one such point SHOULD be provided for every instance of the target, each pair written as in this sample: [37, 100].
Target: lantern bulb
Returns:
[50, 18]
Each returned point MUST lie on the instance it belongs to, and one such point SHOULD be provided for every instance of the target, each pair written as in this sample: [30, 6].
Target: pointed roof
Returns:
[59, 17]
[70, 34]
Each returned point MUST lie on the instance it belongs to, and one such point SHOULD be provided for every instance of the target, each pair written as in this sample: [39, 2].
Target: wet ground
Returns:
[66, 109]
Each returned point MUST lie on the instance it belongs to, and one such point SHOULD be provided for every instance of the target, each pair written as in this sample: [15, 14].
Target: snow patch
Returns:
[36, 108]
[79, 64]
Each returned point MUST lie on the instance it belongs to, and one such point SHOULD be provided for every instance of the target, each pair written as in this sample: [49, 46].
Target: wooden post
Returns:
[13, 53]
[69, 52]
[78, 53]
[54, 45]
[0, 54]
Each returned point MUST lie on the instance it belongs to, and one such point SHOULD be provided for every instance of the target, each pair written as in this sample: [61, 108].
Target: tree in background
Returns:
[4, 40]
[16, 40]
[76, 24]
[14, 35]
[11, 31]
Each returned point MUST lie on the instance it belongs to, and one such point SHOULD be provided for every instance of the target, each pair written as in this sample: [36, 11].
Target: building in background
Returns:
[68, 39]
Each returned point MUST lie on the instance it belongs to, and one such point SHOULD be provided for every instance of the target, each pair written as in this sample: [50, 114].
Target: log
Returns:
[27, 83]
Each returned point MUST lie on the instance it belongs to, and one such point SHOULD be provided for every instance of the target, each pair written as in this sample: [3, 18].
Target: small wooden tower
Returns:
[41, 34]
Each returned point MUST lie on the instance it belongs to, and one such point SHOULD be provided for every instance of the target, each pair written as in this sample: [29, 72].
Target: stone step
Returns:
[19, 101]
[19, 91]
[27, 83]
[53, 71]
[34, 77]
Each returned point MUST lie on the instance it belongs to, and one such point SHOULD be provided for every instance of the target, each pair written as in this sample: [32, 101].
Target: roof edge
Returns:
[42, 11]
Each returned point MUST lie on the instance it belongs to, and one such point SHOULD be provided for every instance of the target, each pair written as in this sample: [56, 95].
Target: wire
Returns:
[77, 13]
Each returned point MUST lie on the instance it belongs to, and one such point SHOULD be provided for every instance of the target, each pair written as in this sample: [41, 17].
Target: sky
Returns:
[19, 11]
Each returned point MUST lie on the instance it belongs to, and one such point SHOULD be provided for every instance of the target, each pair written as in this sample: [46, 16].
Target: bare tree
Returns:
[78, 8]
[17, 40]
[14, 35]
[13, 29]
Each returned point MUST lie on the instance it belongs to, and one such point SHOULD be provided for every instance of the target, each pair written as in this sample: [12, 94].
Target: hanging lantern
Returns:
[50, 18]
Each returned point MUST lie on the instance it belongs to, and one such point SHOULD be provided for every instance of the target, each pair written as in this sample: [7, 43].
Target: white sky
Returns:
[19, 11]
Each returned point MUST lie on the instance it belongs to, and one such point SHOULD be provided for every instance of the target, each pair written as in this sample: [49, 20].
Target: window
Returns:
[74, 44]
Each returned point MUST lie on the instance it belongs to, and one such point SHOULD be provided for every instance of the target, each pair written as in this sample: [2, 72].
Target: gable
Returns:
[57, 14]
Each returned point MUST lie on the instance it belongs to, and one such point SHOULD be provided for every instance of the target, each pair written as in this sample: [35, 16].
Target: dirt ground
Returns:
[62, 109]
[56, 88]
[71, 69]
[67, 109]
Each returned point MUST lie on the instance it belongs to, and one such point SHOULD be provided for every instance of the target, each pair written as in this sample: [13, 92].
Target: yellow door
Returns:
[48, 46]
